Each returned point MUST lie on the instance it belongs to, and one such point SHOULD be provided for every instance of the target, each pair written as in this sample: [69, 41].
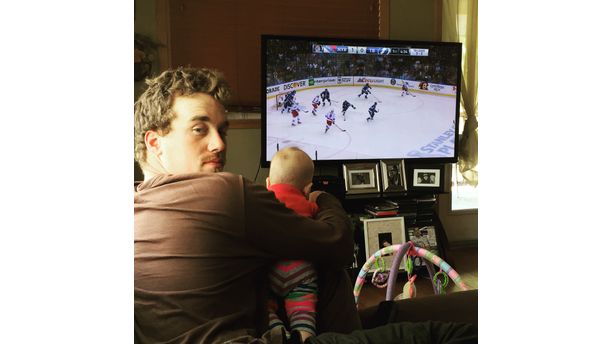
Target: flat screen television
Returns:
[413, 88]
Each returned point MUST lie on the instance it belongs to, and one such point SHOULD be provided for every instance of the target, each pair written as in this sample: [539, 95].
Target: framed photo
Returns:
[393, 175]
[427, 178]
[423, 237]
[381, 232]
[361, 178]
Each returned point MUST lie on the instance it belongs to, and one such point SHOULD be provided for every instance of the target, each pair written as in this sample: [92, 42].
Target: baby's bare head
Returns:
[291, 166]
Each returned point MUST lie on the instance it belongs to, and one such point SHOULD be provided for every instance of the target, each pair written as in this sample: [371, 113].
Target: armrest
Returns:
[459, 306]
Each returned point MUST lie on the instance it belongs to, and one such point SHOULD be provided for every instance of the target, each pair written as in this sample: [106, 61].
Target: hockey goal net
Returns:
[279, 100]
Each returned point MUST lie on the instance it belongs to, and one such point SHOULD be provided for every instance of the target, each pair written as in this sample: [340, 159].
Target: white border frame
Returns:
[398, 229]
[370, 168]
[415, 180]
[385, 180]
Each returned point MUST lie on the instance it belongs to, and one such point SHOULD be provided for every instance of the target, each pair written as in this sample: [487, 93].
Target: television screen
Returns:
[347, 100]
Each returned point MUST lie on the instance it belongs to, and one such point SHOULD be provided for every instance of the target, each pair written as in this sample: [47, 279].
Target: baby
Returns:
[294, 281]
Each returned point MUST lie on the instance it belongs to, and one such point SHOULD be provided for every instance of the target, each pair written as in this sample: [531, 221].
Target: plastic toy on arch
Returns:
[386, 278]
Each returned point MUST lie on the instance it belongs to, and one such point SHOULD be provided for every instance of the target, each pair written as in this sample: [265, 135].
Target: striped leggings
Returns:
[295, 281]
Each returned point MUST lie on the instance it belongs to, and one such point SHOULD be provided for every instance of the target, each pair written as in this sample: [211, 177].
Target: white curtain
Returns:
[460, 24]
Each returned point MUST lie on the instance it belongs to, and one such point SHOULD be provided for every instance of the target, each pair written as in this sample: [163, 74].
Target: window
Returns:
[463, 195]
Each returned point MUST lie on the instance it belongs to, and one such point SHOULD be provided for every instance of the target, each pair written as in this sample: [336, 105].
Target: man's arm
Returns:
[328, 238]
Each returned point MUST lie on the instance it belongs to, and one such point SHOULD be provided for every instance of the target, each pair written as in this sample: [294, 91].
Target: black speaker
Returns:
[330, 184]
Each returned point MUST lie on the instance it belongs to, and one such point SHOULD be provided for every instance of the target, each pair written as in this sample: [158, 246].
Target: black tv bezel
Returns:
[337, 40]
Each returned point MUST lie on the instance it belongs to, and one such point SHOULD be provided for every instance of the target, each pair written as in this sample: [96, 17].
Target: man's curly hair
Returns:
[153, 110]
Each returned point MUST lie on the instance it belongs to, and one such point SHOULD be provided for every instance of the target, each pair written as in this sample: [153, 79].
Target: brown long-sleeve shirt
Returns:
[202, 245]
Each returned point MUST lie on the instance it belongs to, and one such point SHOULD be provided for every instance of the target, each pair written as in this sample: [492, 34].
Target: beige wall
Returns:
[414, 20]
[461, 226]
[243, 154]
[144, 23]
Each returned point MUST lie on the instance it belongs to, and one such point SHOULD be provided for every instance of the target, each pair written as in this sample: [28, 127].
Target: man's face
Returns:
[196, 141]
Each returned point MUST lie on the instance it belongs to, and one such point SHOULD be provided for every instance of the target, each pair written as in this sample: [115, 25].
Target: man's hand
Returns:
[314, 195]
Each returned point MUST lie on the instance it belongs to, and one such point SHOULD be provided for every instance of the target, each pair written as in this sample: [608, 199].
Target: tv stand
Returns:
[418, 211]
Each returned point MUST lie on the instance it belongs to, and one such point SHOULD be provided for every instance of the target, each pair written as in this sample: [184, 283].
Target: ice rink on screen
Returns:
[404, 127]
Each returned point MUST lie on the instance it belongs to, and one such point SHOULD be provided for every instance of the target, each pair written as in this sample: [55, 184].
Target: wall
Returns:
[415, 20]
[243, 154]
[461, 226]
[144, 23]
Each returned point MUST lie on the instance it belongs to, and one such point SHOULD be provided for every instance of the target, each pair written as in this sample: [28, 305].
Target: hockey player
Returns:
[295, 113]
[288, 101]
[405, 90]
[365, 90]
[345, 106]
[372, 111]
[330, 119]
[325, 96]
[315, 104]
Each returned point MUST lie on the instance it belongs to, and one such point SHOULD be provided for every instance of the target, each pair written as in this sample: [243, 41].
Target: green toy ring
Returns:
[445, 283]
[384, 268]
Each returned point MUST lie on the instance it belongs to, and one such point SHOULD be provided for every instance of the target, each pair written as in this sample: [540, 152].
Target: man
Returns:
[365, 90]
[405, 89]
[315, 104]
[204, 239]
[424, 178]
[295, 114]
[394, 176]
[288, 101]
[330, 119]
[432, 178]
[325, 96]
[372, 111]
[345, 106]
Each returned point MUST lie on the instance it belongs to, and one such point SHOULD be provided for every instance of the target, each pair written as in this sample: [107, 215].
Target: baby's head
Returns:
[291, 166]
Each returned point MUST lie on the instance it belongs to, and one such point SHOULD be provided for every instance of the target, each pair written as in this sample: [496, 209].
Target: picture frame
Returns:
[426, 177]
[393, 175]
[361, 178]
[381, 232]
[423, 237]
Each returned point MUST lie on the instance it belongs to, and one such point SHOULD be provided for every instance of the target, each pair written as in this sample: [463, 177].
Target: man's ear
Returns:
[307, 188]
[267, 182]
[152, 141]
